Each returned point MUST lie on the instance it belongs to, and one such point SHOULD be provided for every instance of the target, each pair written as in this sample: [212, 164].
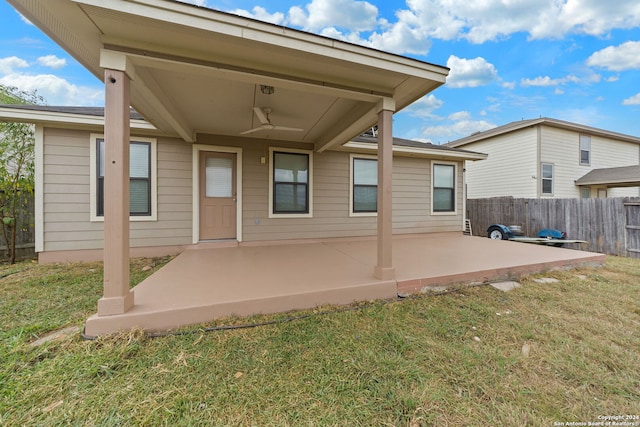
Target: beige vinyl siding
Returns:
[562, 148]
[606, 153]
[67, 224]
[411, 201]
[412, 198]
[507, 171]
[66, 192]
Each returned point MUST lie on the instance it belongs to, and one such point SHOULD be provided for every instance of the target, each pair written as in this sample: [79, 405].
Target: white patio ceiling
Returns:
[196, 70]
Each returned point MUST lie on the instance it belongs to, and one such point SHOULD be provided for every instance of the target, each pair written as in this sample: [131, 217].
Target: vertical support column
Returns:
[117, 298]
[384, 268]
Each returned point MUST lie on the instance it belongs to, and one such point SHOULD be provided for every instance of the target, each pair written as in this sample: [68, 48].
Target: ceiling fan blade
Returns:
[246, 132]
[261, 115]
[287, 128]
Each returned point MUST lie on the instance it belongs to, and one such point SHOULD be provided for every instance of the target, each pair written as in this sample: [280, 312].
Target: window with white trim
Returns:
[290, 178]
[364, 185]
[585, 150]
[546, 172]
[142, 181]
[444, 189]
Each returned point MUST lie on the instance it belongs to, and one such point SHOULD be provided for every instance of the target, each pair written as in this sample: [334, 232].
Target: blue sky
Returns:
[575, 60]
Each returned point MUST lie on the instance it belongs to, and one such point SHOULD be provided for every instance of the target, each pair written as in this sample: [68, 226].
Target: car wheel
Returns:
[496, 234]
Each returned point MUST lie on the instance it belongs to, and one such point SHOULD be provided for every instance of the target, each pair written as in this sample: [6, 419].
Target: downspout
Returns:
[39, 189]
[538, 174]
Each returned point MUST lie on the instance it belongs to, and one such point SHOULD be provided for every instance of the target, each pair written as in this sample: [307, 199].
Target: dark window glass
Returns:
[290, 183]
[547, 178]
[365, 185]
[444, 188]
[139, 178]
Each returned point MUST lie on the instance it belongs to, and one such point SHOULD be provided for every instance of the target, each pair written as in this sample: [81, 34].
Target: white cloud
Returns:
[633, 100]
[481, 21]
[261, 14]
[421, 21]
[541, 81]
[451, 132]
[197, 2]
[460, 116]
[401, 38]
[9, 64]
[617, 58]
[597, 17]
[353, 15]
[425, 106]
[547, 81]
[461, 124]
[55, 90]
[358, 21]
[470, 72]
[52, 61]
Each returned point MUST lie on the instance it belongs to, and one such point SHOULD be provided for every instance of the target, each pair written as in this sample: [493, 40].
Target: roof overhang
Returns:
[195, 70]
[626, 176]
[65, 119]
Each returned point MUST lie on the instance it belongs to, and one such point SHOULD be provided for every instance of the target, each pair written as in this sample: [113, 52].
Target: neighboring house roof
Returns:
[626, 176]
[198, 70]
[514, 126]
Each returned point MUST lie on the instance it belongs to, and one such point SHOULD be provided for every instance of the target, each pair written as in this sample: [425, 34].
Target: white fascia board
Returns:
[50, 117]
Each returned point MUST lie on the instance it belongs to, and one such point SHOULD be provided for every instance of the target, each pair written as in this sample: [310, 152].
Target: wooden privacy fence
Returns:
[609, 225]
[25, 238]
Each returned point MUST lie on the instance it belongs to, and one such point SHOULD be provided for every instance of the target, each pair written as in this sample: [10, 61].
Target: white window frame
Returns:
[93, 173]
[309, 184]
[542, 178]
[455, 187]
[588, 150]
[352, 157]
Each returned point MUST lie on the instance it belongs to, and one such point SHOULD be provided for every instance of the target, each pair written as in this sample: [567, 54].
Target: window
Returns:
[585, 150]
[444, 188]
[547, 178]
[585, 192]
[290, 183]
[142, 182]
[364, 191]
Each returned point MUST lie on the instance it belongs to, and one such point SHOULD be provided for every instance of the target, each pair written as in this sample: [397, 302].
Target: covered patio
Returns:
[212, 281]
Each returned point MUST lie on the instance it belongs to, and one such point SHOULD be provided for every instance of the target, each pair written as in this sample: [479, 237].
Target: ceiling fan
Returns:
[265, 124]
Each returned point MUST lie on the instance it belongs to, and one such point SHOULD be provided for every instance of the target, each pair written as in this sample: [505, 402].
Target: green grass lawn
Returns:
[540, 355]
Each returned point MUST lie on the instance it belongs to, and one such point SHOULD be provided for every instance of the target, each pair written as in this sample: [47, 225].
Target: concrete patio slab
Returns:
[200, 285]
